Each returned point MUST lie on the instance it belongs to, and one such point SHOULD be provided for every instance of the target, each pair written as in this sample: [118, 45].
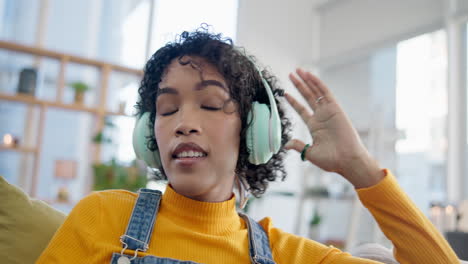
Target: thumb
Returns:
[295, 144]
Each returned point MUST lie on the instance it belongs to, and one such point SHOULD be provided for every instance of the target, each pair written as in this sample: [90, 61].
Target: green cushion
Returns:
[26, 225]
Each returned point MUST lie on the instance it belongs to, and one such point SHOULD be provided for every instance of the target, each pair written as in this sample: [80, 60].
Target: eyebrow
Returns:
[200, 86]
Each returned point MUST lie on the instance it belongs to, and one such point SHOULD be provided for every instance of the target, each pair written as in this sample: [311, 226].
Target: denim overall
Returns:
[140, 228]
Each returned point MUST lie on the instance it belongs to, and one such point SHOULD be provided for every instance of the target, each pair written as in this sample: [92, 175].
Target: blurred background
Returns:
[70, 70]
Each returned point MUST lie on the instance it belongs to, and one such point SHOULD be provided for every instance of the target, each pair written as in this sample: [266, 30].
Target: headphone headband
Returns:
[274, 119]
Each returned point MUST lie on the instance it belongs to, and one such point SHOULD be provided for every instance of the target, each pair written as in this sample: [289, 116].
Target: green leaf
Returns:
[316, 219]
[79, 86]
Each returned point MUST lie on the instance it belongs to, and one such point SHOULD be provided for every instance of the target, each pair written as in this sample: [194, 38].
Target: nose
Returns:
[188, 123]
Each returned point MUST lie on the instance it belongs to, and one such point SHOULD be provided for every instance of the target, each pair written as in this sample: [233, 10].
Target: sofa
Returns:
[26, 225]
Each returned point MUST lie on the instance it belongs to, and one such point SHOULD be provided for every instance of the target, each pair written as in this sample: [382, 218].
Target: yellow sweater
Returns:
[204, 232]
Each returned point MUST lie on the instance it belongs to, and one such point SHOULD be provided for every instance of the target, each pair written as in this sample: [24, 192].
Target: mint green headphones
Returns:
[263, 137]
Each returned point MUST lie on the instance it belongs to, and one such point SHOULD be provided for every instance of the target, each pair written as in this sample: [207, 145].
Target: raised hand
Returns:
[336, 145]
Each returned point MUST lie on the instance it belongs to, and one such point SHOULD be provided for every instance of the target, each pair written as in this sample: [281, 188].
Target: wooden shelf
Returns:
[31, 100]
[18, 149]
[118, 114]
[5, 45]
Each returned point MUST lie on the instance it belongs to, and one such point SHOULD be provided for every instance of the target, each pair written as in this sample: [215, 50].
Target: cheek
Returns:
[228, 135]
[160, 133]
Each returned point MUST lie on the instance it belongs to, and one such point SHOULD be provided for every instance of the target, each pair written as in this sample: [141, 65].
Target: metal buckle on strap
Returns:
[145, 247]
[136, 251]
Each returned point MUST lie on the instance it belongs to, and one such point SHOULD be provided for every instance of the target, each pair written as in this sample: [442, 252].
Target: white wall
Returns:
[276, 30]
[348, 26]
[351, 85]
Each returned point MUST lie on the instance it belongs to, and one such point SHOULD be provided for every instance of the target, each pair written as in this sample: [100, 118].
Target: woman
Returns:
[198, 95]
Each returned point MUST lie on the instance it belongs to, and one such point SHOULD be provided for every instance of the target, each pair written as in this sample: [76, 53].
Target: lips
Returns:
[189, 147]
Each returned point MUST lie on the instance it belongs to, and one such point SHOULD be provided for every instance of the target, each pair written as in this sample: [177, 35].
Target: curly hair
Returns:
[245, 87]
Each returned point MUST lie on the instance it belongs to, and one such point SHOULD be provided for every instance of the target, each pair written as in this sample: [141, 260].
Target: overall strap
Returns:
[140, 226]
[259, 244]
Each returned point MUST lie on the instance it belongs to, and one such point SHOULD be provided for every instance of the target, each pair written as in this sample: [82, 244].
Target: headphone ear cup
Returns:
[275, 130]
[258, 137]
[141, 134]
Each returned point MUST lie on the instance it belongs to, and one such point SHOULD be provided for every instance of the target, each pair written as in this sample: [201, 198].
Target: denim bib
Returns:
[140, 228]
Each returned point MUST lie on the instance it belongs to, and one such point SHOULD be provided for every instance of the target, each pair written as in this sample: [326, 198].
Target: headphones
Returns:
[263, 137]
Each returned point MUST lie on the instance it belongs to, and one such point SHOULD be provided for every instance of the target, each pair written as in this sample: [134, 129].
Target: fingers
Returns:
[305, 91]
[299, 108]
[295, 144]
[305, 76]
[312, 88]
[299, 146]
[321, 86]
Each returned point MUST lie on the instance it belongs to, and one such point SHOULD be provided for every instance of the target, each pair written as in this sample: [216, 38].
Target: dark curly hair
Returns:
[245, 87]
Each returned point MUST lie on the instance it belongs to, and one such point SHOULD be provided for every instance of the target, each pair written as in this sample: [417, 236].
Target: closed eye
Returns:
[209, 108]
[169, 113]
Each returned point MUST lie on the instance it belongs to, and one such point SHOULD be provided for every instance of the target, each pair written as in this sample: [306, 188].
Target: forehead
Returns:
[190, 68]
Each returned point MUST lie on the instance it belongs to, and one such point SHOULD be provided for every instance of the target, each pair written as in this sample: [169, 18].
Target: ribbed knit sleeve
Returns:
[415, 239]
[73, 241]
[289, 248]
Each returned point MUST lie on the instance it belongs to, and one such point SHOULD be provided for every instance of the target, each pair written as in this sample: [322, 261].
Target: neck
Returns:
[211, 194]
[203, 217]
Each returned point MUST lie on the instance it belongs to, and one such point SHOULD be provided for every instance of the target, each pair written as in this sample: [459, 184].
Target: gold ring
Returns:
[318, 99]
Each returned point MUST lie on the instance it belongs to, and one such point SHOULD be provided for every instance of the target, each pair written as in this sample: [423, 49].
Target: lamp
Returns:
[10, 141]
[65, 170]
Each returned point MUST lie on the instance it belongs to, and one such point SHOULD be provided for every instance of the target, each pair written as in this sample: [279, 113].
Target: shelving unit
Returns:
[19, 149]
[44, 103]
[99, 111]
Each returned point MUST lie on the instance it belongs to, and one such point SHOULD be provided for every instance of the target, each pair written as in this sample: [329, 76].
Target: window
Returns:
[170, 19]
[421, 113]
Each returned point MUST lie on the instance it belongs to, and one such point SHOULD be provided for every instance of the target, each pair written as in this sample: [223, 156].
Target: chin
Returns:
[190, 186]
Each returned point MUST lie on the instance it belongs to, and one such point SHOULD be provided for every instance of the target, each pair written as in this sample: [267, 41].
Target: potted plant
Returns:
[80, 88]
[314, 225]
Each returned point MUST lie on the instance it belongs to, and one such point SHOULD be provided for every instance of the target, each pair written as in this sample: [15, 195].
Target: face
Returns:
[197, 129]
